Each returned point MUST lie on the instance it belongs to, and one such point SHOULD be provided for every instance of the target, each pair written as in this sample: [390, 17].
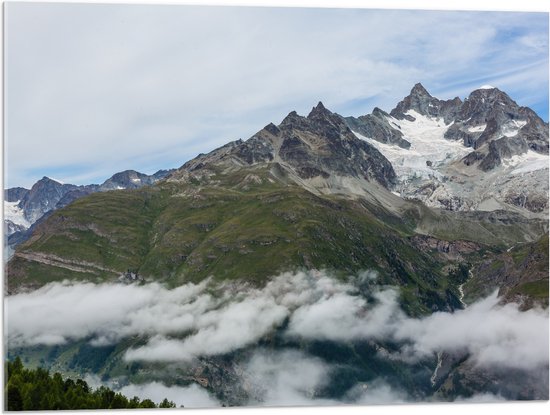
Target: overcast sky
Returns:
[95, 89]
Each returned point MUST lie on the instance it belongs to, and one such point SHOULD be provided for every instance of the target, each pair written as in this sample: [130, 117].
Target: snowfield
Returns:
[431, 171]
[527, 162]
[428, 146]
[511, 129]
[14, 213]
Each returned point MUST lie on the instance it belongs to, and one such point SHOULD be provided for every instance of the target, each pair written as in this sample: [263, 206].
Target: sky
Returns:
[94, 89]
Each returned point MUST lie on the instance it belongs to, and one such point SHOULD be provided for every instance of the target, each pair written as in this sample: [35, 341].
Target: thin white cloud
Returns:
[342, 317]
[495, 335]
[481, 398]
[293, 378]
[218, 331]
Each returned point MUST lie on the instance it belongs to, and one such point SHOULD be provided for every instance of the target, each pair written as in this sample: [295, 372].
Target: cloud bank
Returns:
[203, 320]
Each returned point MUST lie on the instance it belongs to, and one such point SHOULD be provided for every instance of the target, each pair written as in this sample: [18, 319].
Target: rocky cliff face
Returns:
[15, 194]
[423, 103]
[483, 153]
[320, 145]
[43, 197]
[377, 126]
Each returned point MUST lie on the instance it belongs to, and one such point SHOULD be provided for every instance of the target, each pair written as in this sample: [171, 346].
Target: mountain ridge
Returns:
[29, 205]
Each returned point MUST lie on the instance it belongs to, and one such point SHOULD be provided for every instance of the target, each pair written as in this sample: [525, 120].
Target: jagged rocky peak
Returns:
[422, 102]
[127, 179]
[497, 128]
[272, 129]
[418, 90]
[293, 119]
[131, 179]
[319, 112]
[323, 145]
[43, 197]
[319, 145]
[484, 103]
[379, 113]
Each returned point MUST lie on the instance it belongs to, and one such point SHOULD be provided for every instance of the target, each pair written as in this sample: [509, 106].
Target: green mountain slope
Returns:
[520, 273]
[186, 232]
[246, 225]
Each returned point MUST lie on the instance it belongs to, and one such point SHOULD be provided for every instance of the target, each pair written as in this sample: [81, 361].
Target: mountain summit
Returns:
[311, 149]
[420, 101]
[483, 153]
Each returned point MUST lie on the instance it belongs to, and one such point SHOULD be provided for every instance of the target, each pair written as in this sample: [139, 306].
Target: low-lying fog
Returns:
[312, 305]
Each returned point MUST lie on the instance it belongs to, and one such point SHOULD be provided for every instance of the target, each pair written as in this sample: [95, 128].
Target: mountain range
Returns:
[24, 207]
[446, 200]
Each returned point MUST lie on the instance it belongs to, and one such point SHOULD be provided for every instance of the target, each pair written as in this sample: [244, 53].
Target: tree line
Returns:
[35, 389]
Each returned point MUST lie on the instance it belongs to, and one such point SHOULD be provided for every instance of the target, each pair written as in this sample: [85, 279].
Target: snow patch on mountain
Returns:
[486, 87]
[429, 149]
[55, 180]
[527, 162]
[431, 170]
[15, 214]
[478, 128]
[512, 128]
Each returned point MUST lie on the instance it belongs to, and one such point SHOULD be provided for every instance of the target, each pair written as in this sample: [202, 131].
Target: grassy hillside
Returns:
[520, 273]
[242, 225]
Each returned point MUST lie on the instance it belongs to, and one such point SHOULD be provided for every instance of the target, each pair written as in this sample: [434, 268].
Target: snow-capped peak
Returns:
[486, 87]
[54, 180]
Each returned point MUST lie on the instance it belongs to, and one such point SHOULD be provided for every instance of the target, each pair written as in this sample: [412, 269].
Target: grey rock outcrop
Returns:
[319, 145]
[422, 102]
[377, 127]
[43, 197]
[502, 148]
[489, 115]
[15, 194]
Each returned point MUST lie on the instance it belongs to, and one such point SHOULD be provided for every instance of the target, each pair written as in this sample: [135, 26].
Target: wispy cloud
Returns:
[107, 85]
